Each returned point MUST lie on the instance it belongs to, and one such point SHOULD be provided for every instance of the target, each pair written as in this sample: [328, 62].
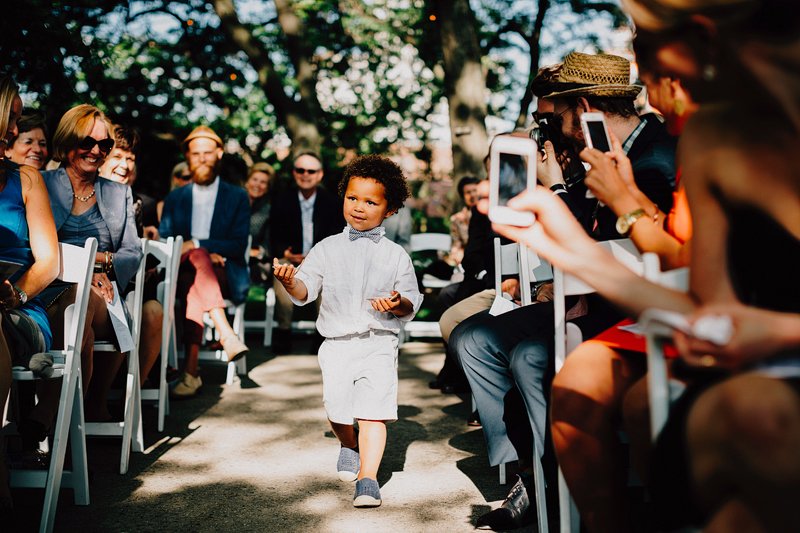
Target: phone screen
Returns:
[513, 178]
[598, 135]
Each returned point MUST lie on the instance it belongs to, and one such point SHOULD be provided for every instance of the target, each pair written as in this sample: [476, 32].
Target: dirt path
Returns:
[256, 457]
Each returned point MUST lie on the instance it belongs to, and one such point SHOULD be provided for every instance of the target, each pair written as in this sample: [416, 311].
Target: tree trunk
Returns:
[298, 117]
[465, 86]
[534, 50]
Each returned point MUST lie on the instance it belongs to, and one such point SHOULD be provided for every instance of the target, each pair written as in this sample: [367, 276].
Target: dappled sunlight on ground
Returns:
[261, 458]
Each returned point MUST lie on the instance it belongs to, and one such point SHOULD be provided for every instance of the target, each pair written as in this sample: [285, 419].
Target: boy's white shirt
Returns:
[348, 273]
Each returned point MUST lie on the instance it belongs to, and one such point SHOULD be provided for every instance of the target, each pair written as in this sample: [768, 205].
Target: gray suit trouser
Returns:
[506, 357]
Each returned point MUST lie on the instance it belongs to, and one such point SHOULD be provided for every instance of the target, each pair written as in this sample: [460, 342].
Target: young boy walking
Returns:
[369, 286]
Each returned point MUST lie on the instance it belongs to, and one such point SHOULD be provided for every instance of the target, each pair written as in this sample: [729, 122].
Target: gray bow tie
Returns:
[373, 234]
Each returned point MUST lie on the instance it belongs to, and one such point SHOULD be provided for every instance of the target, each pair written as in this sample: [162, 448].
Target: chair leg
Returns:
[56, 468]
[540, 487]
[231, 373]
[570, 519]
[127, 422]
[269, 316]
[80, 463]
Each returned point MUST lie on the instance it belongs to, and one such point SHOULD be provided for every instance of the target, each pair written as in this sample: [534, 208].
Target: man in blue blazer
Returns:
[213, 217]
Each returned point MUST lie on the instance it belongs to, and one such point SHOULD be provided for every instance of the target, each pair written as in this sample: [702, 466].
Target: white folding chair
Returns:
[168, 254]
[568, 336]
[438, 242]
[266, 325]
[421, 242]
[76, 265]
[130, 428]
[661, 391]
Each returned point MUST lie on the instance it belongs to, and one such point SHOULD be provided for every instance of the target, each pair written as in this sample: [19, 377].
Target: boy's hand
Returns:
[284, 273]
[387, 305]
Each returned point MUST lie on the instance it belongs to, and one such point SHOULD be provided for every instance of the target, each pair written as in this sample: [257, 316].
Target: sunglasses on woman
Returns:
[88, 143]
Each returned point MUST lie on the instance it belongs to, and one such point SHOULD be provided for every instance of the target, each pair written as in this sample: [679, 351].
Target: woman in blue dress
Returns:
[28, 238]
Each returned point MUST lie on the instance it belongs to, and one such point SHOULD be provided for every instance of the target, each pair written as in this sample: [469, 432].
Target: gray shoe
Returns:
[368, 494]
[349, 464]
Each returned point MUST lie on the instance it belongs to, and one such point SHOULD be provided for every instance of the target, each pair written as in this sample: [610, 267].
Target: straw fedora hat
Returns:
[203, 132]
[595, 75]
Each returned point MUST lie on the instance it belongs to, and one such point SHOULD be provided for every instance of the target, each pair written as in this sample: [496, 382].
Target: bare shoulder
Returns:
[30, 178]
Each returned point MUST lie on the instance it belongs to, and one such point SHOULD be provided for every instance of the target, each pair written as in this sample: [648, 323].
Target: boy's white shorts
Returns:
[359, 377]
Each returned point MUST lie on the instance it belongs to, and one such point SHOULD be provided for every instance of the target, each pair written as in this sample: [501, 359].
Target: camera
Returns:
[542, 133]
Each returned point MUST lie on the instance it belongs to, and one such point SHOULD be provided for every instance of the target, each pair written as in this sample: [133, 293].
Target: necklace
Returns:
[84, 198]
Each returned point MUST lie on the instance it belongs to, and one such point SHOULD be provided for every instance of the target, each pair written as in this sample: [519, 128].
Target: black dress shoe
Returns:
[514, 513]
[474, 420]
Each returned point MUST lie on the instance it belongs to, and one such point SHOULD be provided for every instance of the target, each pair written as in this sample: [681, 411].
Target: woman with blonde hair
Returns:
[27, 239]
[87, 205]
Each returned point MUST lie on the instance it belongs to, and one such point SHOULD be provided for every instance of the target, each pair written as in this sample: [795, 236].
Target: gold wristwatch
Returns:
[626, 222]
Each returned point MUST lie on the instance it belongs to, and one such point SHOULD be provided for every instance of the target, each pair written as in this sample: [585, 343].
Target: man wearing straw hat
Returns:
[213, 217]
[506, 357]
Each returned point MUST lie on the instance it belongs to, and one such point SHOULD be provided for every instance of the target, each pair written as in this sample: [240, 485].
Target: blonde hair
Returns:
[266, 168]
[74, 126]
[8, 92]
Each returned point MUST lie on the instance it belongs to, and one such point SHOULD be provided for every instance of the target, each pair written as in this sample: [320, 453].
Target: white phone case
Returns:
[506, 144]
[586, 118]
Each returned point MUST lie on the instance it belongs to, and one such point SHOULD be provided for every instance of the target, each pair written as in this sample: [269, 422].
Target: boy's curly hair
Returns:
[382, 170]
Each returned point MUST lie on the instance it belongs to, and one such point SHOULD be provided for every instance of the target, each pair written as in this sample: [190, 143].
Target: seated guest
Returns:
[86, 205]
[212, 216]
[302, 217]
[29, 146]
[120, 166]
[588, 392]
[459, 222]
[258, 185]
[506, 357]
[27, 237]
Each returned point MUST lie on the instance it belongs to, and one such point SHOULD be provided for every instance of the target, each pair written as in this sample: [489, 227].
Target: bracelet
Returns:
[558, 188]
[109, 262]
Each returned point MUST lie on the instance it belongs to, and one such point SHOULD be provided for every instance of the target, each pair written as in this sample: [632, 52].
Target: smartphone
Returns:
[595, 131]
[512, 170]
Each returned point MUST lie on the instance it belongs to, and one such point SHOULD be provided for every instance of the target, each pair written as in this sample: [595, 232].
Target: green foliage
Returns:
[166, 65]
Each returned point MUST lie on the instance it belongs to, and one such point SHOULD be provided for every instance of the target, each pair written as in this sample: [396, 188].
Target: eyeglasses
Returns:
[301, 171]
[89, 142]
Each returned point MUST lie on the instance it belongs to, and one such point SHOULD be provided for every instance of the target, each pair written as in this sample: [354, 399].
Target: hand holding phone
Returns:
[595, 131]
[512, 170]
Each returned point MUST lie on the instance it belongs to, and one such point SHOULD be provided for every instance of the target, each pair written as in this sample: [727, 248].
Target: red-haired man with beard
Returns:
[213, 217]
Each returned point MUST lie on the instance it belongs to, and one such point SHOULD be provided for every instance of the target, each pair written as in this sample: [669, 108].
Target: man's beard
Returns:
[203, 174]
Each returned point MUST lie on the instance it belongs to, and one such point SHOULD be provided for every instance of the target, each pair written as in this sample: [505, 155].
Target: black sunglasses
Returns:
[89, 142]
[306, 170]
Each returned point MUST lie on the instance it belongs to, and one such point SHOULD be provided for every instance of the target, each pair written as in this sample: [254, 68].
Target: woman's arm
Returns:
[559, 238]
[42, 233]
[611, 180]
